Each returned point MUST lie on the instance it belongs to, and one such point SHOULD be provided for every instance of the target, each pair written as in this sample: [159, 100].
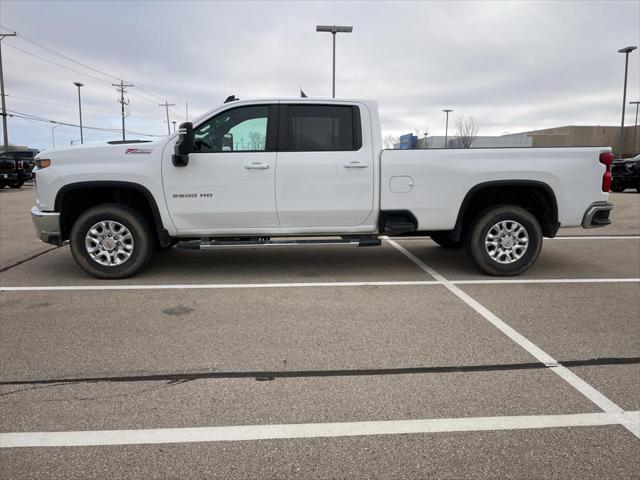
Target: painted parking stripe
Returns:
[567, 237]
[222, 286]
[567, 375]
[304, 430]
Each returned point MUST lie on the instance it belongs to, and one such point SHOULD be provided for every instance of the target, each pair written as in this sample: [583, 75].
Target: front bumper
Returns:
[597, 215]
[47, 226]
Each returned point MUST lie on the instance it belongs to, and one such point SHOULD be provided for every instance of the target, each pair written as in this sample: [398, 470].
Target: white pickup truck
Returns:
[310, 171]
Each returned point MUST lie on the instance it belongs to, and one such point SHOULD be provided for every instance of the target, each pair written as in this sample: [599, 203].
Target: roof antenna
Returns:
[231, 98]
[302, 94]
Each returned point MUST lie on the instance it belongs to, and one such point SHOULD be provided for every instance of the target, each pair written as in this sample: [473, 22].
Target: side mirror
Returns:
[184, 145]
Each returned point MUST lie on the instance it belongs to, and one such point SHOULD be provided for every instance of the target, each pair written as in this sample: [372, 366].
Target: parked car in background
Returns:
[626, 174]
[21, 170]
[11, 172]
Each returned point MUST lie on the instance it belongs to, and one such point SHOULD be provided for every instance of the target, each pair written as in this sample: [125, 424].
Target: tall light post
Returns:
[626, 51]
[446, 128]
[78, 84]
[333, 29]
[635, 128]
[53, 138]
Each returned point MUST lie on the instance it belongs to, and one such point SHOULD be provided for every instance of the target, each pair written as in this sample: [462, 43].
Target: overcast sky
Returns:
[513, 66]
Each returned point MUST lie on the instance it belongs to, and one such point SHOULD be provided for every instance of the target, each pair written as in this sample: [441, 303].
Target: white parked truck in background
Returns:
[251, 171]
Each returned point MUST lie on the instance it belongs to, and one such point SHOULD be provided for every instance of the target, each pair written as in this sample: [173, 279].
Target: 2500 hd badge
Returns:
[192, 195]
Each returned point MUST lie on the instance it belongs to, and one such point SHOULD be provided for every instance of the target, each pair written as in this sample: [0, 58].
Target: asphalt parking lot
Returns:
[401, 361]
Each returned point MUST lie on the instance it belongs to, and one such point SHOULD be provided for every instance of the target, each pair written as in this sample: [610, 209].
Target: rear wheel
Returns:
[504, 240]
[443, 239]
[16, 184]
[617, 187]
[111, 241]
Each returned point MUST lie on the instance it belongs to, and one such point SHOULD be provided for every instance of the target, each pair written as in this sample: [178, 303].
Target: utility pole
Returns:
[167, 105]
[121, 88]
[4, 107]
[635, 128]
[446, 128]
[78, 84]
[626, 51]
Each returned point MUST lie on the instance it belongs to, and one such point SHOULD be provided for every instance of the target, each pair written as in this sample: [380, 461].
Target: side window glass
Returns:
[241, 129]
[321, 128]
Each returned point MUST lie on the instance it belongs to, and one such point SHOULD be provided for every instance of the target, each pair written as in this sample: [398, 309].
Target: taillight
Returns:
[20, 165]
[606, 159]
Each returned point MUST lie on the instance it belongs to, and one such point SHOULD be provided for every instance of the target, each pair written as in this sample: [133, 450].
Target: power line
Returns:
[28, 116]
[57, 64]
[84, 65]
[49, 49]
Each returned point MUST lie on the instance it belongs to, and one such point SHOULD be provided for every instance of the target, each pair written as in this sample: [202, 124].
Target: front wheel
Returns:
[504, 240]
[111, 241]
[16, 184]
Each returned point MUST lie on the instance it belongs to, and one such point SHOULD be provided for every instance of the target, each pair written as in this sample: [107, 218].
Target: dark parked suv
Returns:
[626, 174]
[16, 167]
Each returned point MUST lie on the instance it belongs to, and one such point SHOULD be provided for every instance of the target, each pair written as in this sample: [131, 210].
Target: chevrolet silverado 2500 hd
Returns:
[252, 171]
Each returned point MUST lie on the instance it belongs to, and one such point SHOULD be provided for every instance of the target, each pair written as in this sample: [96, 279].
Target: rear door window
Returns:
[320, 128]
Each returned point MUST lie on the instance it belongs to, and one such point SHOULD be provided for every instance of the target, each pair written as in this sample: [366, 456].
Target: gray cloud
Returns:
[512, 65]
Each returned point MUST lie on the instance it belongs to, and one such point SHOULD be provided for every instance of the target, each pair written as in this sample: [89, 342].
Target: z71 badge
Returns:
[192, 195]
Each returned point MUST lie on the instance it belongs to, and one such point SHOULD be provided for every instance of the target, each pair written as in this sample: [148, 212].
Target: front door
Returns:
[229, 181]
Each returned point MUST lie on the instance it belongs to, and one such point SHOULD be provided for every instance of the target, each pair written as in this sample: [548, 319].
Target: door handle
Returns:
[355, 165]
[257, 166]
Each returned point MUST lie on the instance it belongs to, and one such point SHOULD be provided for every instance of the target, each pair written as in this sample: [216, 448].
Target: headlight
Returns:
[43, 163]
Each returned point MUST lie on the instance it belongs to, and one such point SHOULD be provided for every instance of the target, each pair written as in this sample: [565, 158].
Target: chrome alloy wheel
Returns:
[109, 243]
[506, 242]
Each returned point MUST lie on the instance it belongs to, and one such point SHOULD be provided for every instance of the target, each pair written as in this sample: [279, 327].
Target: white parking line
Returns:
[568, 237]
[567, 375]
[222, 286]
[305, 430]
[597, 237]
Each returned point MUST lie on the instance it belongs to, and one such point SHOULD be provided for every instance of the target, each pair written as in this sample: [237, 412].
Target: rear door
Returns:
[325, 174]
[229, 181]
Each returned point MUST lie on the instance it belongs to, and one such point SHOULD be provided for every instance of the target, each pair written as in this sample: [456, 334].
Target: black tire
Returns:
[617, 188]
[142, 241]
[442, 239]
[16, 184]
[485, 221]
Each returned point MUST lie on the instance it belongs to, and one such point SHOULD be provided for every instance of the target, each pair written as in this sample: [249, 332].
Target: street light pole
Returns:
[635, 128]
[4, 107]
[626, 51]
[53, 138]
[78, 84]
[333, 29]
[446, 128]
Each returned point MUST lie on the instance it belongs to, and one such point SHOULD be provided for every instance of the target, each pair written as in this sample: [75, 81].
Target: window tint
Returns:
[239, 129]
[321, 128]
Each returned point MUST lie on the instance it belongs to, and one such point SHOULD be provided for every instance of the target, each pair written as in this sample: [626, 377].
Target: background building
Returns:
[567, 136]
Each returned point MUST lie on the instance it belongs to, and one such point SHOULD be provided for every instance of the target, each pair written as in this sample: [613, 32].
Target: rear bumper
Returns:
[597, 215]
[47, 226]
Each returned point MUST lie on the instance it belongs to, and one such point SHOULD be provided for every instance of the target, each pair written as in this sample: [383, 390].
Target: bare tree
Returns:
[466, 131]
[389, 141]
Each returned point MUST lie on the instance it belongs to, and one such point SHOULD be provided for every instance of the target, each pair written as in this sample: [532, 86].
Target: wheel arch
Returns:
[105, 191]
[500, 189]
